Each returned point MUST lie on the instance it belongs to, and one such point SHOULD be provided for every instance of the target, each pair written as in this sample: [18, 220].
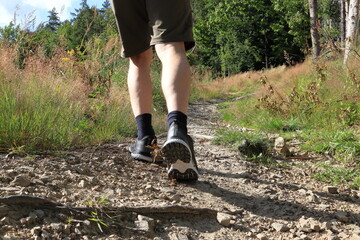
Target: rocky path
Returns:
[233, 199]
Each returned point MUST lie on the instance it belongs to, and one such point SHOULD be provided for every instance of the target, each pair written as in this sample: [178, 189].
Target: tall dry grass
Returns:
[64, 101]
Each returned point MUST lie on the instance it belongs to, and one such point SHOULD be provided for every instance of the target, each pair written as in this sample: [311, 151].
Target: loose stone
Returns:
[224, 219]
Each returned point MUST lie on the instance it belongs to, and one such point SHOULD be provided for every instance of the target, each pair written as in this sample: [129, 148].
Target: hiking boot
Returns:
[140, 149]
[179, 153]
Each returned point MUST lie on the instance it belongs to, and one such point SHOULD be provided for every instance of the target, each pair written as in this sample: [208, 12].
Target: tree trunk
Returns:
[315, 37]
[351, 27]
[342, 22]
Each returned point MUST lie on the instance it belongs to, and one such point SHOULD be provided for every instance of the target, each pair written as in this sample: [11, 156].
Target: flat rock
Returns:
[279, 227]
[342, 216]
[21, 180]
[224, 218]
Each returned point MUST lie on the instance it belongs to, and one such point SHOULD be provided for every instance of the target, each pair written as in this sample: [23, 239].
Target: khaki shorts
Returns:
[144, 23]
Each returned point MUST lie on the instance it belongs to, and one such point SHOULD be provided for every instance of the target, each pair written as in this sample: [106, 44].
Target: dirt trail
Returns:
[251, 201]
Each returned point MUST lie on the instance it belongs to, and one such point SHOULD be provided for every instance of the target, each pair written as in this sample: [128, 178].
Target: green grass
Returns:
[322, 109]
[338, 175]
[61, 102]
[344, 145]
[38, 117]
[236, 138]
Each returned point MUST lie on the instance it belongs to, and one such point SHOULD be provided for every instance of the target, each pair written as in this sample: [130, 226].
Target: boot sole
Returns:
[179, 157]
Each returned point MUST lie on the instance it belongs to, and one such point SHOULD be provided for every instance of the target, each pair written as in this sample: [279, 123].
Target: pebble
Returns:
[82, 184]
[145, 223]
[39, 213]
[333, 237]
[178, 236]
[36, 231]
[342, 216]
[313, 198]
[21, 180]
[262, 236]
[224, 218]
[315, 226]
[5, 221]
[175, 198]
[355, 237]
[77, 231]
[281, 147]
[144, 226]
[304, 237]
[67, 229]
[279, 227]
[331, 189]
[57, 227]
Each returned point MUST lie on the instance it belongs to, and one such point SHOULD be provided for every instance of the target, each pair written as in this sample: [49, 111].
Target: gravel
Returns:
[252, 201]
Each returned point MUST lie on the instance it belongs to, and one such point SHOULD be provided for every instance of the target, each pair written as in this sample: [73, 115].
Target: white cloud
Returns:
[62, 7]
[26, 9]
[5, 15]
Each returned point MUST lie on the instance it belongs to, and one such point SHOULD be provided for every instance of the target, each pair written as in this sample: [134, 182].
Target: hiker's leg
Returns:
[139, 83]
[176, 76]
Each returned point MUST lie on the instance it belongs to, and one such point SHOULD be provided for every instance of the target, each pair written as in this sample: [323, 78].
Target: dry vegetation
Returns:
[64, 101]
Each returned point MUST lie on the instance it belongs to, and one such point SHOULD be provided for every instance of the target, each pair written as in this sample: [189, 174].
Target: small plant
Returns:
[95, 218]
[342, 145]
[262, 159]
[69, 220]
[18, 150]
[253, 146]
[96, 215]
[338, 175]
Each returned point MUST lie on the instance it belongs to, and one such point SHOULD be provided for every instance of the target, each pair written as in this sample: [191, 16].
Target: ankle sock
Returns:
[180, 117]
[144, 125]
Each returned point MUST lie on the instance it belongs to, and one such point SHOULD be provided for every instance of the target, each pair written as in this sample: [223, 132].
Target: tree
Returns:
[54, 21]
[315, 37]
[234, 36]
[342, 22]
[351, 27]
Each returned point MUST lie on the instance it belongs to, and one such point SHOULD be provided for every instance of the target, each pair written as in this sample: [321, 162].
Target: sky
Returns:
[23, 10]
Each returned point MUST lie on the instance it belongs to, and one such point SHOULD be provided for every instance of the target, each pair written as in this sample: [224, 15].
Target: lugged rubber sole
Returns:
[178, 155]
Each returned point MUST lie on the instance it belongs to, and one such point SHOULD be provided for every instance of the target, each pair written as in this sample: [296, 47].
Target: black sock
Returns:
[180, 117]
[144, 126]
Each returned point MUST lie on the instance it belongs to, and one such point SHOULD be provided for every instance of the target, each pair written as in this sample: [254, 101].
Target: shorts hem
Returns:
[189, 44]
[134, 53]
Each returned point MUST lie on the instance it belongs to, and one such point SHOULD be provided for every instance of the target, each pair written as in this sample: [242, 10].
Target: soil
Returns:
[77, 192]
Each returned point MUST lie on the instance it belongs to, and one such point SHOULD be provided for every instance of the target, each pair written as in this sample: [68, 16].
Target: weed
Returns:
[253, 146]
[338, 175]
[262, 159]
[18, 150]
[96, 215]
[342, 145]
[95, 218]
[69, 220]
[55, 103]
[235, 138]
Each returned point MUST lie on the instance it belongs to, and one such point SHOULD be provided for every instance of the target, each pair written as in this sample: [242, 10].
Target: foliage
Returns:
[63, 102]
[235, 36]
[338, 175]
[342, 145]
[254, 139]
[312, 106]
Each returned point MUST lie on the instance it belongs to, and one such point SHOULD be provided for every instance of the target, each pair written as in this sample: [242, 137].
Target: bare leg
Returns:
[176, 76]
[139, 83]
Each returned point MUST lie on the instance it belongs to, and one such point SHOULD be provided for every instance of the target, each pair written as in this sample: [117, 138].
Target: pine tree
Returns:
[54, 20]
